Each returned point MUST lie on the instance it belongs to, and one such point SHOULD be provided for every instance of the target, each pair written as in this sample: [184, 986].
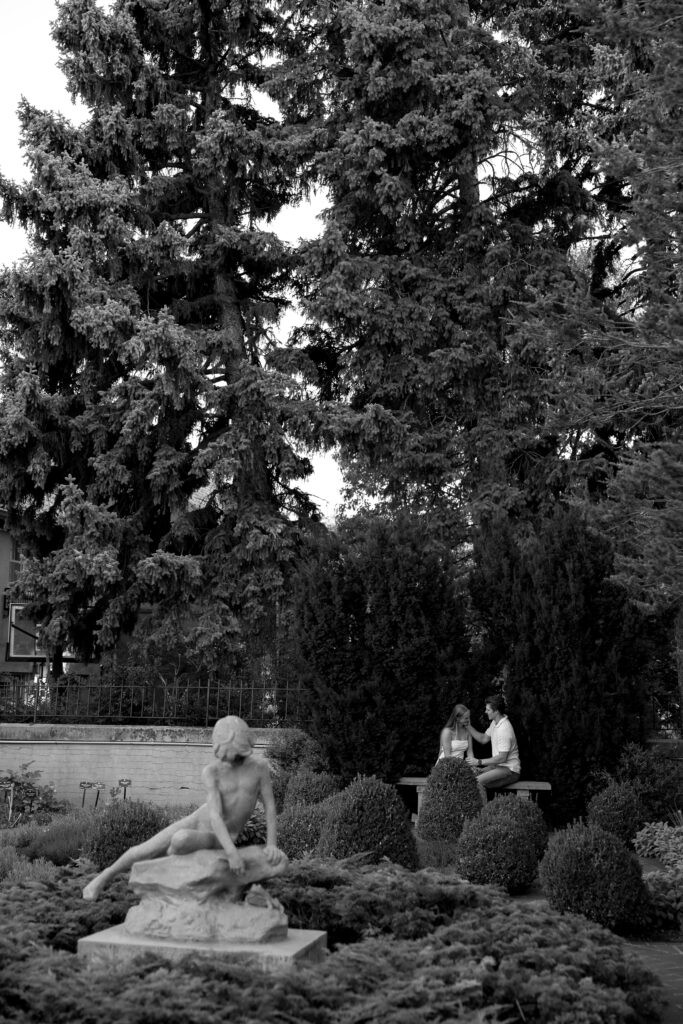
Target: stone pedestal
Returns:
[116, 945]
[193, 904]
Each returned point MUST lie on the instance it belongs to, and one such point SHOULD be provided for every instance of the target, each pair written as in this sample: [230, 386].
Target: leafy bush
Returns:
[588, 871]
[39, 870]
[526, 812]
[63, 840]
[255, 830]
[616, 809]
[654, 779]
[450, 797]
[293, 749]
[661, 840]
[279, 778]
[54, 913]
[25, 799]
[123, 824]
[8, 860]
[497, 851]
[665, 889]
[368, 817]
[299, 828]
[309, 787]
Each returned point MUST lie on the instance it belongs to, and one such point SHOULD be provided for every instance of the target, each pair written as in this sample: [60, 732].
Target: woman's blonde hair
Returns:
[458, 710]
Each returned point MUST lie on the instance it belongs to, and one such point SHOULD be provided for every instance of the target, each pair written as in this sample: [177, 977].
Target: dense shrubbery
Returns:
[588, 871]
[293, 749]
[661, 840]
[63, 840]
[486, 958]
[450, 797]
[25, 798]
[497, 852]
[526, 812]
[308, 787]
[123, 824]
[502, 846]
[654, 779]
[299, 828]
[368, 817]
[616, 809]
[666, 900]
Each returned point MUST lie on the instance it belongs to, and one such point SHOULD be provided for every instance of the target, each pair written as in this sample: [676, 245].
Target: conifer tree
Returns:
[578, 657]
[378, 623]
[146, 437]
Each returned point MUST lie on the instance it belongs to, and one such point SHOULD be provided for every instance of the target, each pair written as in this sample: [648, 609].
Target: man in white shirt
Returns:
[503, 767]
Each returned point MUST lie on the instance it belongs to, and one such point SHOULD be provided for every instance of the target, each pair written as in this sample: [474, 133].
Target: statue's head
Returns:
[232, 738]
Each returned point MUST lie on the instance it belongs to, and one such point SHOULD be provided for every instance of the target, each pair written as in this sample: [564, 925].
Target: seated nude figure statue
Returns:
[234, 782]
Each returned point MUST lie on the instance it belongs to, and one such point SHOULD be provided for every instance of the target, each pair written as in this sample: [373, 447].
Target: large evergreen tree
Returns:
[459, 158]
[146, 439]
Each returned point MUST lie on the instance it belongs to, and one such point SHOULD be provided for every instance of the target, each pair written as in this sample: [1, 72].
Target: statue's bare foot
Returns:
[92, 890]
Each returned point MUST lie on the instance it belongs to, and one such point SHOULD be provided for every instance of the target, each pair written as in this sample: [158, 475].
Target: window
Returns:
[23, 641]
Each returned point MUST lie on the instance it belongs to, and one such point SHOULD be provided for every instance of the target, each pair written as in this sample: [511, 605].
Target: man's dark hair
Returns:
[497, 702]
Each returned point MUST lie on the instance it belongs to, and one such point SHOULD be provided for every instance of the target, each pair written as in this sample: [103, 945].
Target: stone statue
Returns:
[234, 782]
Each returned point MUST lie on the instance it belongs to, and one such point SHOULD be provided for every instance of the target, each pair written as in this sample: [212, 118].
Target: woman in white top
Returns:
[455, 738]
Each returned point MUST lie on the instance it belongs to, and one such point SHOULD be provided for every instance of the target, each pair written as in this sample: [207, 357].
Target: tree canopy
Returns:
[147, 441]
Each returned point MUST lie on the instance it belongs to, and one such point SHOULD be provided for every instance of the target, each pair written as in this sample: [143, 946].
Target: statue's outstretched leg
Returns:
[157, 846]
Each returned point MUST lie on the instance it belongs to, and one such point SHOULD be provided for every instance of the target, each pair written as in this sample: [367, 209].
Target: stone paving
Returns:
[665, 959]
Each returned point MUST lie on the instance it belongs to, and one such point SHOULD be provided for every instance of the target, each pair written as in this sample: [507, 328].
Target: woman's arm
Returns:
[445, 740]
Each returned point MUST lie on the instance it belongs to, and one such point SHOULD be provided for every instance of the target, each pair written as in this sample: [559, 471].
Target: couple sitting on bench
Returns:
[503, 767]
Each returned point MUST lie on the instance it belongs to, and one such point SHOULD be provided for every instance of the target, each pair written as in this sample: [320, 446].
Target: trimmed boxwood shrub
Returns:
[526, 812]
[368, 817]
[299, 828]
[308, 787]
[450, 797]
[497, 851]
[617, 809]
[123, 824]
[588, 871]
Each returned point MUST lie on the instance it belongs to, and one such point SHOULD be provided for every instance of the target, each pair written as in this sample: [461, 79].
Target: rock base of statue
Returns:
[191, 904]
[196, 897]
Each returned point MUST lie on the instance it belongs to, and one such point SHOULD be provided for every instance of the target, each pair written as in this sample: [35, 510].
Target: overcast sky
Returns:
[28, 67]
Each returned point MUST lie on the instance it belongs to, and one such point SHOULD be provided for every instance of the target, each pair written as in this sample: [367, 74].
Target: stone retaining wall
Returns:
[164, 763]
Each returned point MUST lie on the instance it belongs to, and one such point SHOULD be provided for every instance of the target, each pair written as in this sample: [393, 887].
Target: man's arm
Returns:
[489, 762]
[214, 805]
[481, 737]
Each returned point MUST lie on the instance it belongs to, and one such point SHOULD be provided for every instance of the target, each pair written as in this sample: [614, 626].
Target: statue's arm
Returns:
[214, 805]
[268, 800]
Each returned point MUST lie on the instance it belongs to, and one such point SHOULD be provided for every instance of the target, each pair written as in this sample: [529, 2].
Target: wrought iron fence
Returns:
[94, 699]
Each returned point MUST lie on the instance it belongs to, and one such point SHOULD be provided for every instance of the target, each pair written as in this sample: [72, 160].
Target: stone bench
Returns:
[524, 789]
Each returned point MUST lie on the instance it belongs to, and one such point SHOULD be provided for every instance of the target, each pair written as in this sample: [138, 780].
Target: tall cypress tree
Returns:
[576, 651]
[378, 622]
[145, 435]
